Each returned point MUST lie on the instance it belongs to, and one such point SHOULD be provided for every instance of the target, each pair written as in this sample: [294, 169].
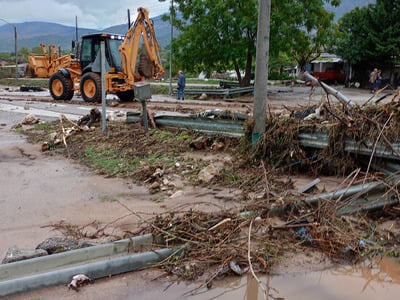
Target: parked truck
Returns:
[126, 65]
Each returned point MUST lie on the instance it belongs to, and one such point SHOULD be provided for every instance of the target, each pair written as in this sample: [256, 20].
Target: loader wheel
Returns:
[91, 87]
[126, 96]
[61, 87]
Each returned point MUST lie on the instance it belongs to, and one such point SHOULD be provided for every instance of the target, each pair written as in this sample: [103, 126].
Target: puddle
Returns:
[341, 283]
[356, 283]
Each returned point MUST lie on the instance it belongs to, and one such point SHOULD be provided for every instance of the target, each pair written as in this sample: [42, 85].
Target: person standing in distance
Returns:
[372, 78]
[181, 85]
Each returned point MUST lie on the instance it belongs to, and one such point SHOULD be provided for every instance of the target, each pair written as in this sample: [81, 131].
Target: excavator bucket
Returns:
[145, 67]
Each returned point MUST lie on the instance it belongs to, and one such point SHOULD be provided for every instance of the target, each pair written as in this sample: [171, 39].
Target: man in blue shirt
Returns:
[181, 86]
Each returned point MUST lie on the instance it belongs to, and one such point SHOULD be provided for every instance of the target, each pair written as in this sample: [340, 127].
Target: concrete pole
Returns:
[170, 48]
[16, 52]
[103, 86]
[261, 79]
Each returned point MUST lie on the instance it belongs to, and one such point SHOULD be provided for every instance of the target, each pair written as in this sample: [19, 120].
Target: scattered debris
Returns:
[237, 269]
[115, 115]
[89, 119]
[61, 137]
[309, 186]
[78, 281]
[25, 88]
[340, 224]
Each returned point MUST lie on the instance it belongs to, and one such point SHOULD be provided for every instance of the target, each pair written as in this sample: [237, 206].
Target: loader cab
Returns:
[90, 52]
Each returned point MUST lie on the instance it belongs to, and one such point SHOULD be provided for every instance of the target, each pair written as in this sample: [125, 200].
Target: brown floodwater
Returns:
[347, 282]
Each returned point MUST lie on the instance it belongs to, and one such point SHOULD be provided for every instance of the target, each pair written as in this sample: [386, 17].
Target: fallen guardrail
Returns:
[95, 262]
[320, 140]
[225, 93]
[208, 122]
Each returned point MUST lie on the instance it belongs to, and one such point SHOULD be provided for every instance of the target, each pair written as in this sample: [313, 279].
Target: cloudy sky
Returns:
[97, 14]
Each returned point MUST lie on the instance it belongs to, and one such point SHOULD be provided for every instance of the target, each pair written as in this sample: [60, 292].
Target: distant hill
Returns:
[31, 34]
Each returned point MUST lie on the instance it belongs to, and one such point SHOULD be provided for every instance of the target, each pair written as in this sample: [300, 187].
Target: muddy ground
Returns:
[41, 189]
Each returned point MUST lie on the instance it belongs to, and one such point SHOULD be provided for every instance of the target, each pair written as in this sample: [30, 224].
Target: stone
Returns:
[155, 185]
[30, 120]
[203, 96]
[58, 244]
[199, 143]
[17, 254]
[208, 173]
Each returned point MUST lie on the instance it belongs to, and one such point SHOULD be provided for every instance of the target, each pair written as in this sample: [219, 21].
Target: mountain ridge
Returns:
[31, 34]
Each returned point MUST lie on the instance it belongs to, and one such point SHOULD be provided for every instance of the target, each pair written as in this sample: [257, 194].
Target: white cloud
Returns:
[97, 14]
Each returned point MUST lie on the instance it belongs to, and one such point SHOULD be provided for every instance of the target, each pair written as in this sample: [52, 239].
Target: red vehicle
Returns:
[331, 76]
[328, 67]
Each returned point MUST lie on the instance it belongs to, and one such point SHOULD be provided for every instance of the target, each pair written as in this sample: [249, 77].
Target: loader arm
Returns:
[143, 27]
[43, 47]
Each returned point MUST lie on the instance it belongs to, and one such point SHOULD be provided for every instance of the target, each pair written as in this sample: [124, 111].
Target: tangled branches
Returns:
[338, 137]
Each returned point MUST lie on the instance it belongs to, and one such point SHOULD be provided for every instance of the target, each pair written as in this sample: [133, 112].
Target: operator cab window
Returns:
[90, 47]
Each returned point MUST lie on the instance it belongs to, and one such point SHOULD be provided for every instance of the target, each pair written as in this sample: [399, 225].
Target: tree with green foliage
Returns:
[37, 50]
[301, 29]
[23, 53]
[221, 35]
[370, 36]
[5, 56]
[352, 35]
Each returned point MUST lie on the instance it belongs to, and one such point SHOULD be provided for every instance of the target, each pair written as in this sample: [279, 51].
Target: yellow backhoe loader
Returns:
[43, 66]
[124, 65]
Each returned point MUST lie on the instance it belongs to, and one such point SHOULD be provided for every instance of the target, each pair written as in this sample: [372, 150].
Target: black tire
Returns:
[90, 87]
[126, 96]
[61, 87]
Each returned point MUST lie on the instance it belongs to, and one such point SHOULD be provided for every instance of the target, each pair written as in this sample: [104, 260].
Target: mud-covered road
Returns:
[38, 190]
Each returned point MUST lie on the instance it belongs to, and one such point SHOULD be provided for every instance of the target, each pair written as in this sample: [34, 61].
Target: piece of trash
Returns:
[361, 245]
[78, 281]
[234, 266]
[87, 120]
[30, 120]
[24, 88]
[303, 235]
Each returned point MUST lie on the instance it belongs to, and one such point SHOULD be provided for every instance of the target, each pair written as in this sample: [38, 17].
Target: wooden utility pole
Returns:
[261, 79]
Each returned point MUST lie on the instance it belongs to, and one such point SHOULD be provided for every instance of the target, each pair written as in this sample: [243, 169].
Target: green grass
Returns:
[44, 126]
[43, 83]
[106, 161]
[164, 135]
